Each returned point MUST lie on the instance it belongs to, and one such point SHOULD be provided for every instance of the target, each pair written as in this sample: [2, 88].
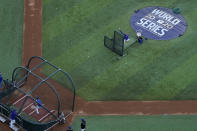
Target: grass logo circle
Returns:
[158, 23]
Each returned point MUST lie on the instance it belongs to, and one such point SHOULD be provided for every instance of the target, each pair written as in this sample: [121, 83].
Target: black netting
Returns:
[118, 43]
[19, 76]
[39, 78]
[109, 43]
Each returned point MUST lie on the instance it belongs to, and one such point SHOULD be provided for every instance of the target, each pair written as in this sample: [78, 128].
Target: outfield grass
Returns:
[73, 32]
[11, 31]
[139, 123]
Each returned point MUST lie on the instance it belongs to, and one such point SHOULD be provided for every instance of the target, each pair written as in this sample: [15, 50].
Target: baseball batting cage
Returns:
[117, 44]
[38, 79]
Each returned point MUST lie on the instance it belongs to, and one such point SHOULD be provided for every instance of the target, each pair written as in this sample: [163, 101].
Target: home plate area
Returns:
[30, 109]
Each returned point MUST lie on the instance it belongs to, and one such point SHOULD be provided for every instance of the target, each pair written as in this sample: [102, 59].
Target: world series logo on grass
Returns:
[158, 23]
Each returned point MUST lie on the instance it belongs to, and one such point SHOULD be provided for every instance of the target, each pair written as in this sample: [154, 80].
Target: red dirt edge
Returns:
[32, 30]
[32, 45]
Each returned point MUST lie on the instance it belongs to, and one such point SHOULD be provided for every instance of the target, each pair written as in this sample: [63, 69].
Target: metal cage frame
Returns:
[21, 82]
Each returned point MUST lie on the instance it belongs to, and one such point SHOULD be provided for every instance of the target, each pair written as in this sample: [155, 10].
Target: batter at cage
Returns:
[126, 36]
[62, 118]
[38, 104]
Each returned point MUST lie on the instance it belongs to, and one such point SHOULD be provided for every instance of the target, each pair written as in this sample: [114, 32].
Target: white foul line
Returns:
[45, 115]
[27, 106]
[32, 112]
[19, 100]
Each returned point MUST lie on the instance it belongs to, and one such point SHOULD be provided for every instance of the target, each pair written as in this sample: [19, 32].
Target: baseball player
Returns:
[12, 117]
[83, 124]
[126, 36]
[139, 37]
[62, 118]
[38, 104]
[1, 80]
[69, 128]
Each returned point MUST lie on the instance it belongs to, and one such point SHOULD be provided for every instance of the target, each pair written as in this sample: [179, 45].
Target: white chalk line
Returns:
[19, 100]
[46, 115]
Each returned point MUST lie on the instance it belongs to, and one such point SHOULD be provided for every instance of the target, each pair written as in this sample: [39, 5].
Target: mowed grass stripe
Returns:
[186, 6]
[155, 71]
[138, 55]
[108, 82]
[85, 51]
[105, 83]
[188, 41]
[73, 35]
[11, 31]
[91, 44]
[81, 11]
[87, 43]
[188, 93]
[184, 48]
[44, 2]
[90, 63]
[174, 82]
[55, 8]
[138, 123]
[120, 70]
[78, 73]
[84, 30]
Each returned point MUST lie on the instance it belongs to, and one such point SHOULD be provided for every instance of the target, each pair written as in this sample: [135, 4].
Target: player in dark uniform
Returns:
[139, 37]
[12, 117]
[126, 36]
[83, 124]
[69, 129]
[38, 104]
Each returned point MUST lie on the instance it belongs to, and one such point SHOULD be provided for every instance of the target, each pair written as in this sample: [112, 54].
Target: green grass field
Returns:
[11, 31]
[138, 123]
[73, 33]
